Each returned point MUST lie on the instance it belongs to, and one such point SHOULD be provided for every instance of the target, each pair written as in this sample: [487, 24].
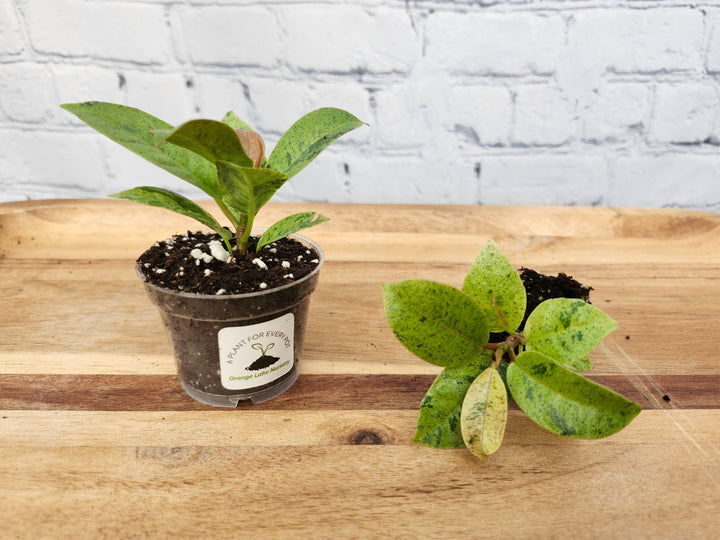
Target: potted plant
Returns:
[234, 302]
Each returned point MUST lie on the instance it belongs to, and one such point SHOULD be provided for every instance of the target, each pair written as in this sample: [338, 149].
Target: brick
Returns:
[217, 94]
[346, 38]
[618, 112]
[343, 174]
[232, 35]
[712, 60]
[479, 115]
[474, 115]
[494, 43]
[543, 179]
[76, 83]
[325, 180]
[11, 39]
[27, 92]
[676, 180]
[543, 116]
[430, 178]
[395, 127]
[278, 104]
[107, 30]
[638, 40]
[684, 113]
[164, 95]
[47, 163]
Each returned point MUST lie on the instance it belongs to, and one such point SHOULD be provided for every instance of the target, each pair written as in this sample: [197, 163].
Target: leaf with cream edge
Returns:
[484, 413]
[163, 198]
[436, 322]
[309, 136]
[232, 120]
[567, 330]
[213, 140]
[132, 129]
[289, 225]
[565, 402]
[439, 421]
[497, 288]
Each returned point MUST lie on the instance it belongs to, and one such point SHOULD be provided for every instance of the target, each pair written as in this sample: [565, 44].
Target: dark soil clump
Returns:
[540, 287]
[187, 263]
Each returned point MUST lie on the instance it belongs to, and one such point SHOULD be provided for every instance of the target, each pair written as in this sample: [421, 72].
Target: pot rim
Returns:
[302, 239]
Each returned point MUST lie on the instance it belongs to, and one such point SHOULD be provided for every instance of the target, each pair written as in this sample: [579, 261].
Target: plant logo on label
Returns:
[257, 354]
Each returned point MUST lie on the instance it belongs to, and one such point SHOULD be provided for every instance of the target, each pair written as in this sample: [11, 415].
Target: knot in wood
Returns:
[368, 436]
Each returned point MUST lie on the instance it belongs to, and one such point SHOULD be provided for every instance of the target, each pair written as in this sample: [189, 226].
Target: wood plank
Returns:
[44, 229]
[311, 392]
[347, 332]
[175, 474]
[697, 428]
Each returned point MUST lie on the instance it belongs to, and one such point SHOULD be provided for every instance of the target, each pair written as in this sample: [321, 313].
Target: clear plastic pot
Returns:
[230, 348]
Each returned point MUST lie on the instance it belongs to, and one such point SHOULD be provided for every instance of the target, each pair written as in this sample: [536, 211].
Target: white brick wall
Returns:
[493, 102]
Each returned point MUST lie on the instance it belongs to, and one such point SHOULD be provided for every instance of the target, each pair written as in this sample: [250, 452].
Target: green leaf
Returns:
[436, 322]
[232, 120]
[567, 329]
[290, 225]
[131, 128]
[309, 136]
[439, 422]
[175, 202]
[246, 189]
[494, 284]
[484, 414]
[213, 140]
[564, 402]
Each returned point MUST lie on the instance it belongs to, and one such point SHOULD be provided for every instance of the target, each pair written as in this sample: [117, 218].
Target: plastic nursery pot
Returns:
[230, 348]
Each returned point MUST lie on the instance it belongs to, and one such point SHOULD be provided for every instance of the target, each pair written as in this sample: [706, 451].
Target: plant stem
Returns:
[505, 347]
[242, 241]
[234, 222]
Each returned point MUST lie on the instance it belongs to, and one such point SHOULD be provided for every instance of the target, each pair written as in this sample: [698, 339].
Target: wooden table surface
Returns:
[98, 440]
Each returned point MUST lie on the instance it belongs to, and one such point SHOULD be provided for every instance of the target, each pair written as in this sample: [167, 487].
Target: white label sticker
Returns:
[258, 354]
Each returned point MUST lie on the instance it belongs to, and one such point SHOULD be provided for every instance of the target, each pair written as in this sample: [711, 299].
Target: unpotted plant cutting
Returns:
[492, 349]
[229, 296]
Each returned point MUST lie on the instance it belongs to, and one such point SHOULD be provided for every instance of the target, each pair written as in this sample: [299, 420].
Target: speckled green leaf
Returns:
[175, 202]
[131, 128]
[232, 120]
[246, 189]
[496, 286]
[309, 136]
[567, 330]
[564, 402]
[439, 422]
[213, 140]
[290, 225]
[436, 322]
[484, 414]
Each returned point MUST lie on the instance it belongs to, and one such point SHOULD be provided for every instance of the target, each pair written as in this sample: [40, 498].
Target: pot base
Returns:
[217, 400]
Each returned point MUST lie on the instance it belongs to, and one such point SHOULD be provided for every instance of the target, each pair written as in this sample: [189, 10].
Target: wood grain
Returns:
[98, 440]
[310, 392]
